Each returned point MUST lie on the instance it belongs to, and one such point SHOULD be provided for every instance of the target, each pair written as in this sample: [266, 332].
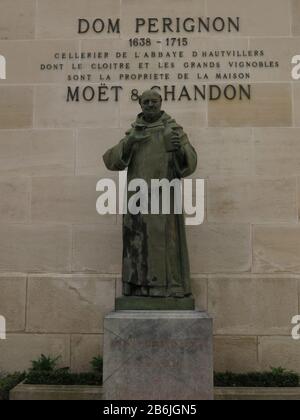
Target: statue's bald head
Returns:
[151, 102]
[150, 94]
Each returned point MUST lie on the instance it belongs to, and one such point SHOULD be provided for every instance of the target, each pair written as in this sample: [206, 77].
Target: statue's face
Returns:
[151, 105]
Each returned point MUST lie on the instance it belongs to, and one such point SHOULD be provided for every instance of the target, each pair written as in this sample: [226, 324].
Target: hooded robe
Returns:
[155, 253]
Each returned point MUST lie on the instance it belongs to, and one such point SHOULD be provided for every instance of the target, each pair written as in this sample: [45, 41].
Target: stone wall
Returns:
[60, 262]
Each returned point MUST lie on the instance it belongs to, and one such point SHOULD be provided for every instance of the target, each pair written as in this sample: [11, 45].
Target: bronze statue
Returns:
[155, 254]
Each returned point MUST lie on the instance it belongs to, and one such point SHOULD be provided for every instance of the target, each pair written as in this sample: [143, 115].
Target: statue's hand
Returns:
[175, 141]
[134, 137]
[177, 145]
[137, 135]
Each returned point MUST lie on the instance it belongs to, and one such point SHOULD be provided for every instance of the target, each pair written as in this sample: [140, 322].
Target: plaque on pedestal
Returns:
[158, 355]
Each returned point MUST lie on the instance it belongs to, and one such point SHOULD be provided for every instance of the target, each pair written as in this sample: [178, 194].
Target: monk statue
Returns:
[155, 253]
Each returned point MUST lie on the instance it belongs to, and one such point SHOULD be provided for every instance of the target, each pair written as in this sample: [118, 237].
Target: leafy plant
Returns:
[279, 371]
[63, 377]
[277, 377]
[44, 363]
[97, 364]
[44, 372]
[8, 382]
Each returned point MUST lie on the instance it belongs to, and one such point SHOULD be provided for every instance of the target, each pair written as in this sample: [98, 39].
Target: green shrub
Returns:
[277, 377]
[44, 363]
[63, 377]
[44, 372]
[97, 364]
[8, 382]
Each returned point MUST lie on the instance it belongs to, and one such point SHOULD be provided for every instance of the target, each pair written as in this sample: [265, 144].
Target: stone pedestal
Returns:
[158, 355]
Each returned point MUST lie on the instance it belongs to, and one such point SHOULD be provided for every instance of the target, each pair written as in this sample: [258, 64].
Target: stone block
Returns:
[235, 354]
[36, 152]
[248, 305]
[279, 351]
[119, 286]
[276, 249]
[280, 52]
[14, 199]
[24, 392]
[255, 15]
[84, 347]
[13, 301]
[17, 19]
[29, 248]
[91, 146]
[296, 97]
[16, 107]
[298, 195]
[75, 304]
[257, 394]
[199, 290]
[66, 200]
[270, 106]
[32, 62]
[18, 350]
[217, 248]
[91, 251]
[55, 107]
[295, 17]
[276, 152]
[161, 355]
[254, 200]
[56, 19]
[222, 152]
